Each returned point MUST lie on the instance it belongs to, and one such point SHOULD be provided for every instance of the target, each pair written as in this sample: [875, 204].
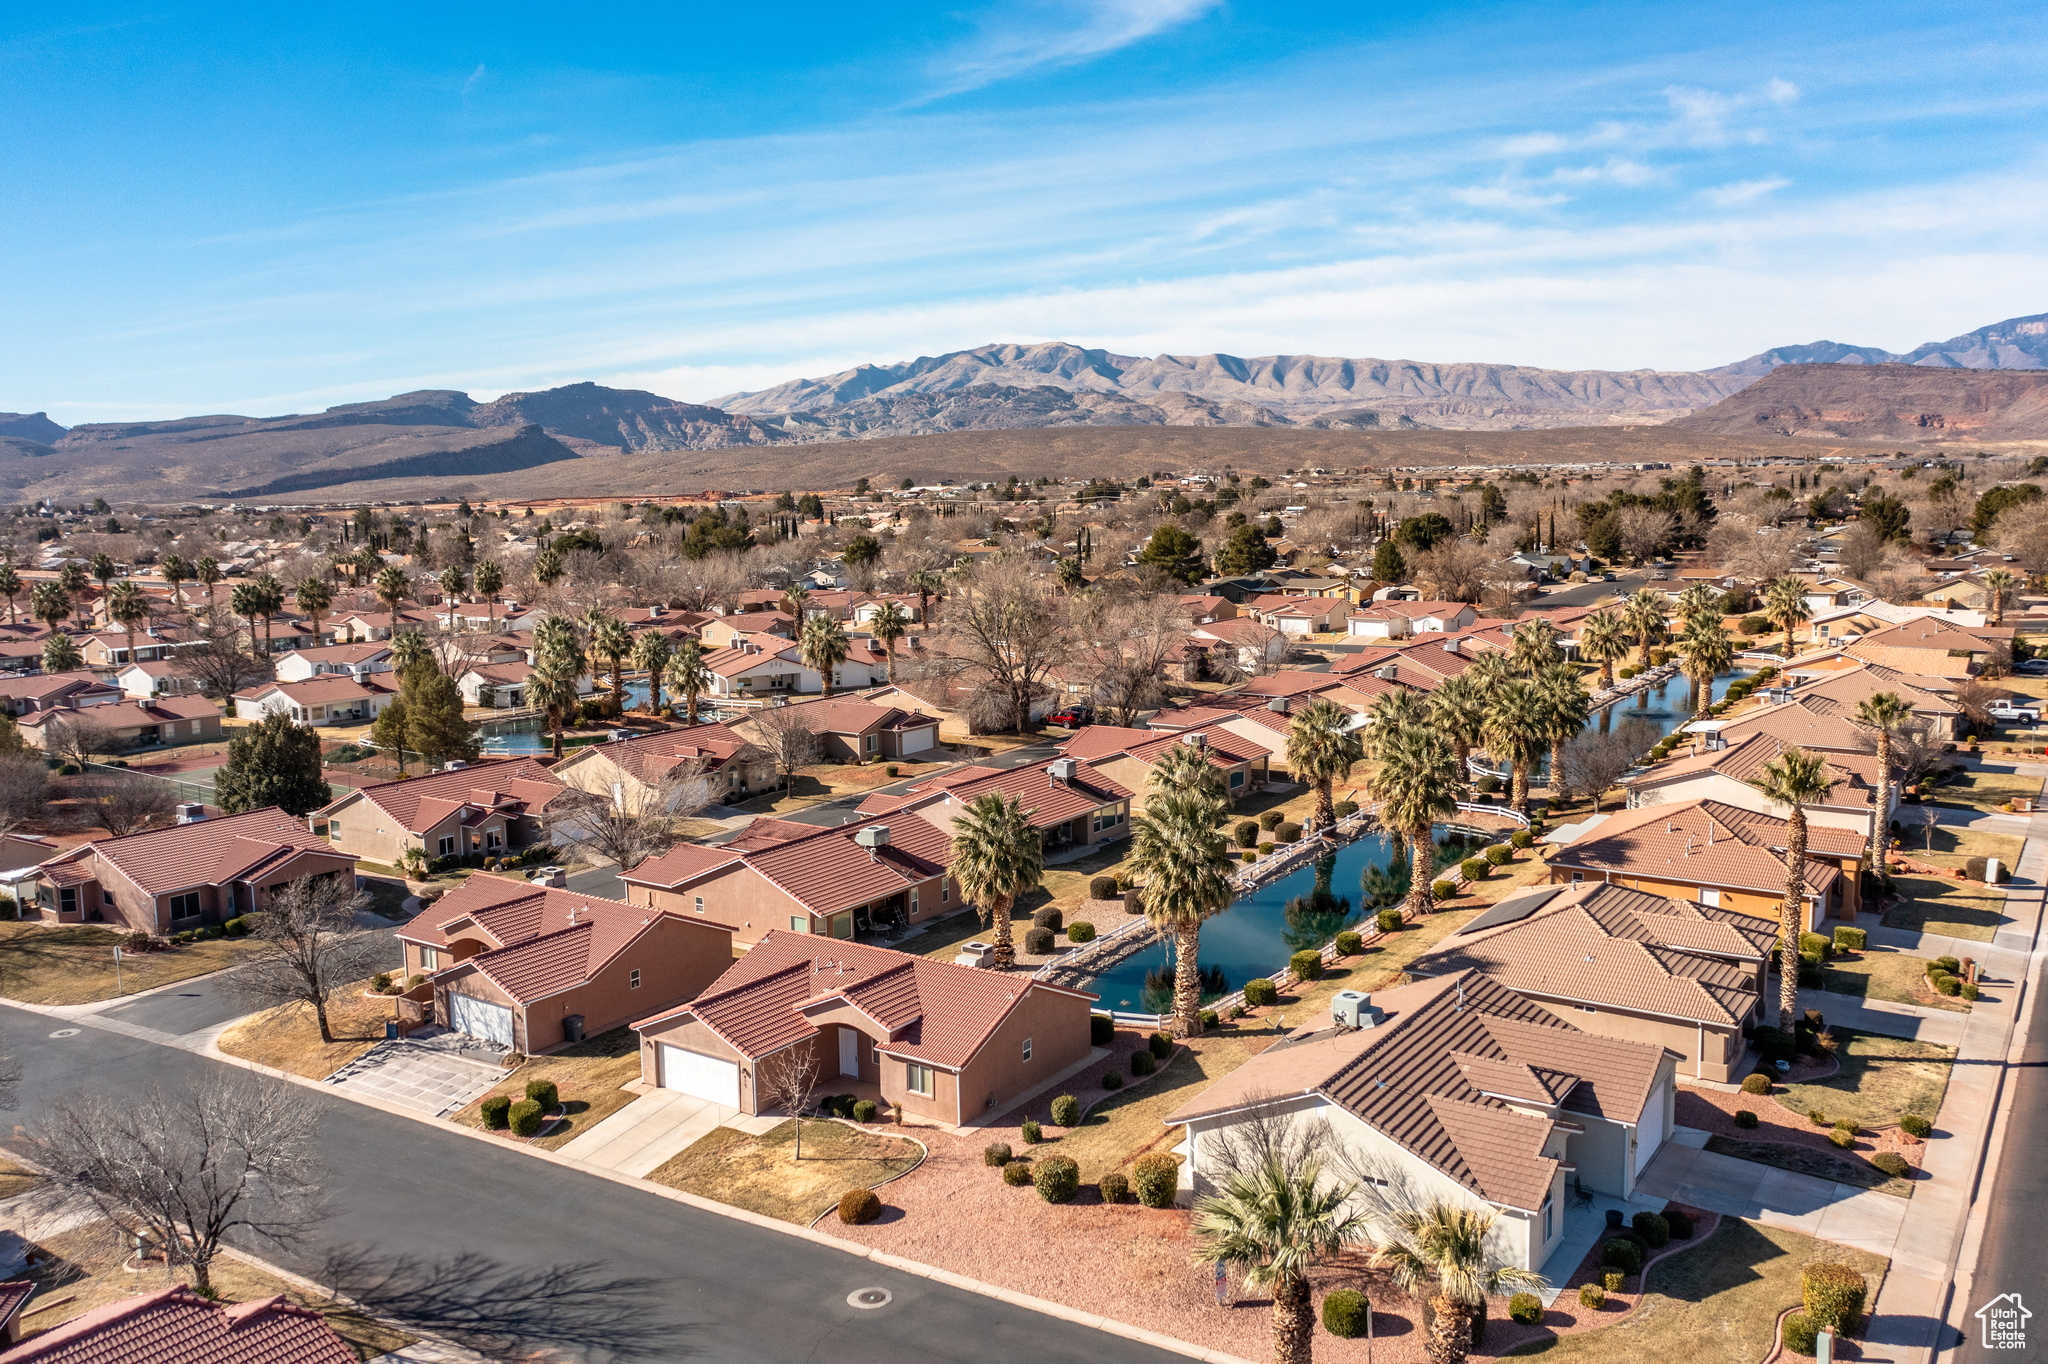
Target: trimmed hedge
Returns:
[1475, 868]
[1813, 944]
[1745, 1119]
[858, 1207]
[1623, 1255]
[1113, 1079]
[1678, 1223]
[544, 1093]
[1142, 1063]
[1344, 1313]
[1522, 838]
[1048, 917]
[1975, 867]
[1017, 1173]
[1849, 939]
[1260, 992]
[1443, 890]
[1349, 944]
[1756, 1084]
[494, 1111]
[1833, 1295]
[1160, 1045]
[1525, 1308]
[1592, 1295]
[1913, 1125]
[1032, 1132]
[996, 1153]
[1306, 964]
[1058, 1179]
[1101, 1030]
[1802, 1336]
[1271, 819]
[525, 1117]
[864, 1110]
[1287, 832]
[1066, 1111]
[1344, 809]
[1247, 833]
[1154, 1178]
[1893, 1164]
[1039, 942]
[1652, 1228]
[1388, 920]
[1080, 931]
[1103, 888]
[1114, 1187]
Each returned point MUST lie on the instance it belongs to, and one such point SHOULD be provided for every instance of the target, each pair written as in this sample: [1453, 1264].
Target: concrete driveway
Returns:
[642, 1136]
[429, 1074]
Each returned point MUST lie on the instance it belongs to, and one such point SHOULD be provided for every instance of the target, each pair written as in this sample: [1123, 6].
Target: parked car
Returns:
[1073, 717]
[2014, 713]
[2032, 667]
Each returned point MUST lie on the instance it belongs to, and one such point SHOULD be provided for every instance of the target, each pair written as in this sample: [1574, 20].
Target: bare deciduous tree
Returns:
[1457, 569]
[791, 1084]
[2023, 533]
[310, 946]
[1865, 552]
[1751, 550]
[24, 789]
[127, 804]
[1643, 531]
[230, 1157]
[78, 738]
[626, 827]
[1592, 762]
[217, 660]
[1122, 643]
[785, 735]
[1002, 628]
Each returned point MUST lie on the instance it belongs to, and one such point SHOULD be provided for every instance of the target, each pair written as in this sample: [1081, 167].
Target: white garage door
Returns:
[918, 740]
[1650, 1135]
[701, 1076]
[481, 1018]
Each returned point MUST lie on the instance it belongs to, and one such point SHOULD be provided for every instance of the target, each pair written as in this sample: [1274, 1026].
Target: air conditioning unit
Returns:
[872, 837]
[1353, 1009]
[1278, 705]
[1063, 770]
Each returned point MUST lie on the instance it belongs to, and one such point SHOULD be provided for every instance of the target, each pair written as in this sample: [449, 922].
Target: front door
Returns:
[849, 1052]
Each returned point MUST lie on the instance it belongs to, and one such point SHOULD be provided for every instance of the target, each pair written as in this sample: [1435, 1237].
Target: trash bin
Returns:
[572, 1027]
[390, 1029]
[1614, 1219]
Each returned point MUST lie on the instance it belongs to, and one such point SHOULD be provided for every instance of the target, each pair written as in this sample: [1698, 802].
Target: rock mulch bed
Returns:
[1713, 1111]
[1567, 1315]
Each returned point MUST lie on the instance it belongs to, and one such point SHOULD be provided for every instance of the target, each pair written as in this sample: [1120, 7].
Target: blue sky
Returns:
[225, 209]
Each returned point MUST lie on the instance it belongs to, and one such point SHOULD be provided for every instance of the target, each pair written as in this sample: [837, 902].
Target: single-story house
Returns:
[1455, 1088]
[629, 771]
[137, 724]
[1722, 771]
[198, 872]
[944, 1042]
[176, 1323]
[335, 699]
[1128, 756]
[859, 731]
[532, 969]
[347, 660]
[145, 681]
[57, 691]
[1070, 802]
[484, 808]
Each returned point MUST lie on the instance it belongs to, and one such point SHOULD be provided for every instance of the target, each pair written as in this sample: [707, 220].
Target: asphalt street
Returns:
[466, 1236]
[2009, 1261]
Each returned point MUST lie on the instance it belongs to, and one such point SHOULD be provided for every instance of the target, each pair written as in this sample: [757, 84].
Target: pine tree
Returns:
[276, 763]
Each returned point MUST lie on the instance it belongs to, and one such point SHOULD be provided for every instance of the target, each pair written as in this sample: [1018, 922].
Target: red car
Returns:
[1073, 717]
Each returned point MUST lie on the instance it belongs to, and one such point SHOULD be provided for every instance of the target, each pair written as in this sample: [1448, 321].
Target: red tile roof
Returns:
[420, 803]
[314, 691]
[1048, 801]
[211, 852]
[652, 756]
[934, 1012]
[1705, 843]
[822, 869]
[176, 1326]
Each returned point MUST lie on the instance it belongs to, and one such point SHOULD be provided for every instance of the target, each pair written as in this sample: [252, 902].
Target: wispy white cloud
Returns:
[475, 79]
[1743, 191]
[1506, 196]
[1020, 38]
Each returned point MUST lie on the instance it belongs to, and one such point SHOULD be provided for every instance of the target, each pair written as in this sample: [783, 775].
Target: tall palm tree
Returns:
[313, 597]
[408, 651]
[1785, 606]
[927, 585]
[1709, 652]
[177, 573]
[1565, 708]
[1443, 1250]
[553, 685]
[452, 581]
[687, 676]
[60, 654]
[1603, 639]
[612, 641]
[1275, 1221]
[1457, 712]
[10, 588]
[1535, 647]
[1795, 779]
[246, 601]
[1416, 785]
[1517, 728]
[822, 645]
[270, 596]
[1322, 750]
[1491, 670]
[1698, 601]
[489, 581]
[1185, 767]
[1999, 587]
[72, 579]
[392, 586]
[651, 654]
[1175, 846]
[890, 623]
[1643, 616]
[997, 856]
[49, 603]
[794, 597]
[1886, 716]
[207, 572]
[1393, 712]
[127, 608]
[103, 569]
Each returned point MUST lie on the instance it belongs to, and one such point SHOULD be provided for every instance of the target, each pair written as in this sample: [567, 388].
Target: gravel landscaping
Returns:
[1790, 1140]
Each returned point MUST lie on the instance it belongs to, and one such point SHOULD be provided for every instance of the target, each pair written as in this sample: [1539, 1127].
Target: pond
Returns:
[1666, 706]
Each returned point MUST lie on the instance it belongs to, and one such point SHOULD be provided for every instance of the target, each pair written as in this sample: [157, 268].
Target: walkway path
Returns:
[645, 1134]
[1942, 1027]
[1849, 1216]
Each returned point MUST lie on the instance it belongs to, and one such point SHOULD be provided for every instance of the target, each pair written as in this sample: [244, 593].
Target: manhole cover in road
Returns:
[65, 1032]
[868, 1297]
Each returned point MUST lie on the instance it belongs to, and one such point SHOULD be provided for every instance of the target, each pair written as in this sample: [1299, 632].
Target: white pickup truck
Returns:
[2012, 712]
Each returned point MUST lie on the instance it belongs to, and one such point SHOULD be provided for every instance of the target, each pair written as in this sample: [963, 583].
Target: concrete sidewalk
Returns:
[1942, 1027]
[1842, 1213]
[661, 1124]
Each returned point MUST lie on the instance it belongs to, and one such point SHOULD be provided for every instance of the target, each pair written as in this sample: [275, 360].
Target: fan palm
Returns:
[489, 581]
[1795, 779]
[555, 685]
[1393, 711]
[1642, 615]
[1457, 712]
[408, 651]
[1535, 647]
[207, 573]
[1186, 865]
[1517, 728]
[613, 642]
[1275, 1221]
[822, 645]
[1999, 587]
[997, 856]
[1492, 669]
[127, 608]
[1185, 767]
[1698, 601]
[49, 603]
[1709, 652]
[246, 601]
[794, 598]
[1565, 706]
[1442, 1250]
[72, 579]
[1416, 785]
[927, 585]
[175, 571]
[392, 585]
[269, 601]
[452, 581]
[651, 654]
[687, 676]
[61, 655]
[313, 597]
[103, 569]
[1886, 716]
[890, 623]
[1785, 606]
[1321, 750]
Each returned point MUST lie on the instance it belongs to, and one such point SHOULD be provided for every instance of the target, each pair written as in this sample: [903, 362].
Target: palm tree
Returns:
[392, 586]
[1491, 670]
[72, 579]
[127, 608]
[408, 651]
[557, 672]
[1565, 706]
[793, 599]
[1535, 647]
[207, 571]
[822, 645]
[997, 856]
[651, 655]
[1186, 865]
[1708, 653]
[1698, 601]
[1795, 779]
[1393, 712]
[1603, 638]
[102, 568]
[687, 675]
[10, 588]
[1785, 606]
[612, 641]
[1643, 616]
[177, 573]
[1517, 728]
[61, 655]
[1442, 1250]
[270, 593]
[890, 623]
[1999, 587]
[313, 597]
[1185, 767]
[1416, 785]
[1275, 1221]
[452, 581]
[927, 585]
[1886, 716]
[1321, 750]
[1457, 712]
[247, 602]
[489, 581]
[49, 603]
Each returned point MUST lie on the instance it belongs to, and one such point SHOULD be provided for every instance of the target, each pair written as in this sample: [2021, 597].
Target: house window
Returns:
[1547, 1233]
[842, 925]
[447, 845]
[67, 900]
[106, 896]
[913, 902]
[493, 839]
[799, 924]
[430, 958]
[700, 903]
[185, 906]
[633, 982]
[1577, 877]
[874, 743]
[1027, 1049]
[918, 1079]
[1710, 898]
[945, 891]
[1237, 779]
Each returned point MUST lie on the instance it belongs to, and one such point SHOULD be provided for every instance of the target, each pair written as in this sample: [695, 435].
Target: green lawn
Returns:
[1886, 973]
[74, 963]
[1715, 1304]
[1881, 1080]
[1956, 909]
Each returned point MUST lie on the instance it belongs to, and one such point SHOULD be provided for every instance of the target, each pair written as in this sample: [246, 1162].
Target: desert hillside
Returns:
[1889, 402]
